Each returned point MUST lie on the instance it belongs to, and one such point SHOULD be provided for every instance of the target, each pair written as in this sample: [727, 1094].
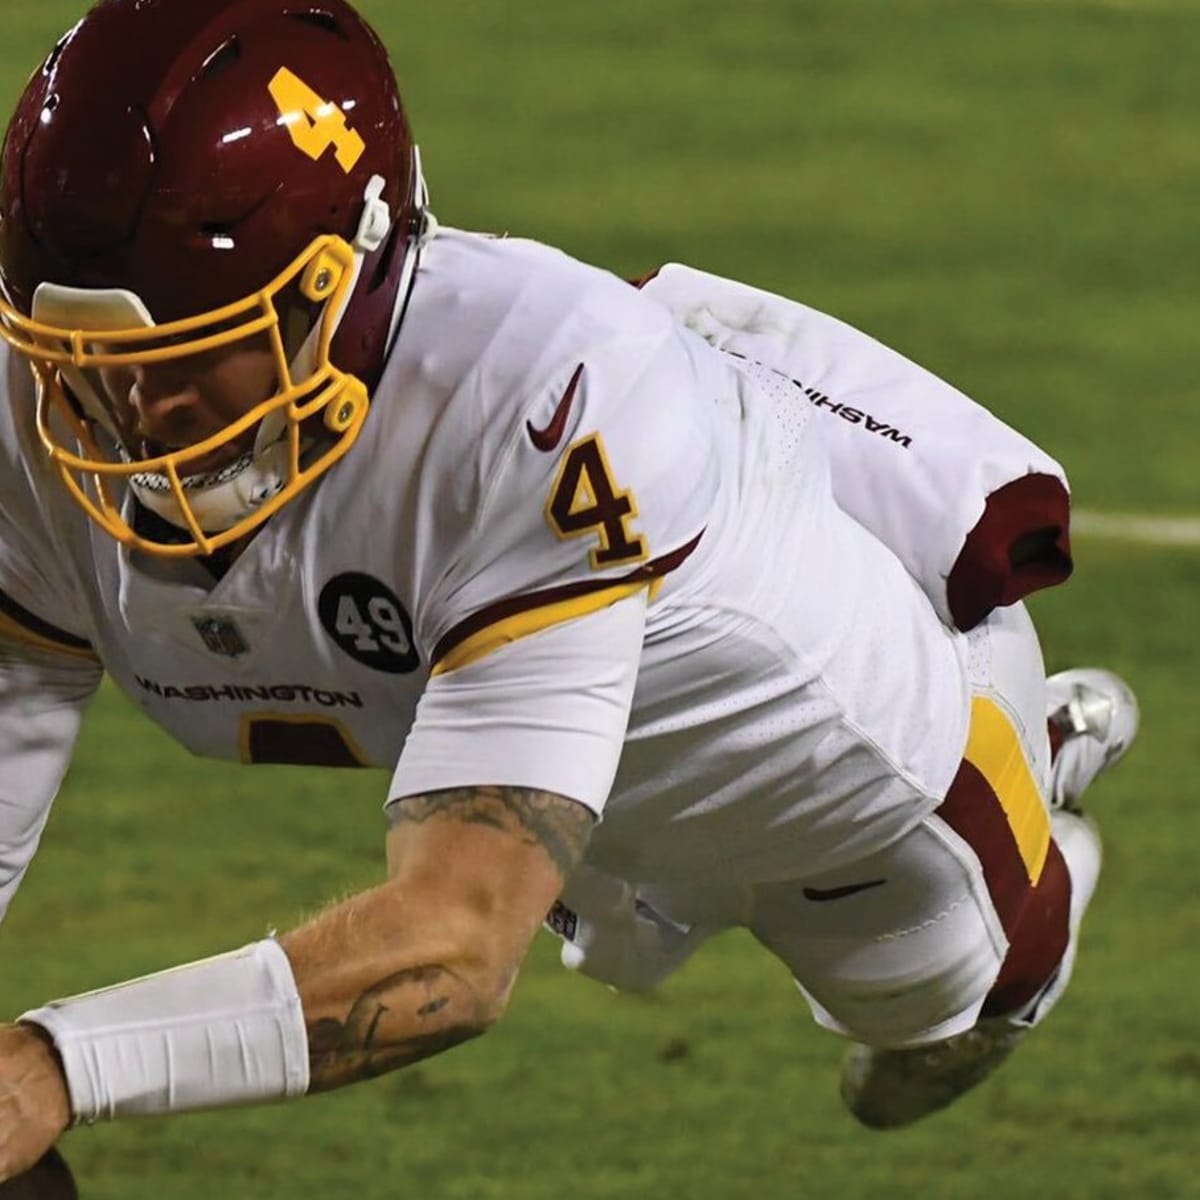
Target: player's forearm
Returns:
[429, 959]
[368, 989]
[382, 979]
[381, 989]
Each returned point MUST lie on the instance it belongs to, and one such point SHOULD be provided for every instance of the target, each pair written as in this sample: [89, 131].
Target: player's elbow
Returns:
[487, 977]
[481, 945]
[457, 966]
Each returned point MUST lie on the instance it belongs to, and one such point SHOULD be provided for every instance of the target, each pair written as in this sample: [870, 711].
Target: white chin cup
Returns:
[222, 498]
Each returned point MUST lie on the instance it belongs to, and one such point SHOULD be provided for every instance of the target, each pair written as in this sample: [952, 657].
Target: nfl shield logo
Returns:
[221, 636]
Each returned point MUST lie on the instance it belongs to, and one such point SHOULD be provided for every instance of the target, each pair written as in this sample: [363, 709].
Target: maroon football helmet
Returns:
[181, 175]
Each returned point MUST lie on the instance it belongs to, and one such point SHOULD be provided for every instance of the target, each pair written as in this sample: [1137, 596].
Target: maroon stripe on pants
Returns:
[973, 810]
[1038, 942]
[1033, 915]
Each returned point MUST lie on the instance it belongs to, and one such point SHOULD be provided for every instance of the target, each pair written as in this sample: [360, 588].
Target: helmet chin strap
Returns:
[426, 231]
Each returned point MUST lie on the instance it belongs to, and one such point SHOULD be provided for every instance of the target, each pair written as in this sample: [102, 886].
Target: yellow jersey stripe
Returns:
[15, 631]
[553, 605]
[994, 749]
[532, 620]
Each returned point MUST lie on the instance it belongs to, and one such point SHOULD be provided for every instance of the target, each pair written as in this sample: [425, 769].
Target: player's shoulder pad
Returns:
[495, 331]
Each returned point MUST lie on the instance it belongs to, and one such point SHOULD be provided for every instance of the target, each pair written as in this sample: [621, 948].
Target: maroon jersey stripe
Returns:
[513, 605]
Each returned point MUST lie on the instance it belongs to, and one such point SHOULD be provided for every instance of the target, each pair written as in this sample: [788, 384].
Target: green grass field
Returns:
[1007, 191]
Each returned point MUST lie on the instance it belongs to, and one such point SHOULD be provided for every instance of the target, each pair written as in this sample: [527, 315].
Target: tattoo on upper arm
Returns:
[560, 826]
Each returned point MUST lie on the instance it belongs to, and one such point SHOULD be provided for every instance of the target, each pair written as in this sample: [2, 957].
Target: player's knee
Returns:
[918, 1001]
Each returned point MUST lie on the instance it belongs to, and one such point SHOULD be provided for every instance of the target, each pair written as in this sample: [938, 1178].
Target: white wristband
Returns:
[223, 1031]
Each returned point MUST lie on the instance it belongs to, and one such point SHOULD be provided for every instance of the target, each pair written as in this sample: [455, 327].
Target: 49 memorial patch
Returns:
[367, 620]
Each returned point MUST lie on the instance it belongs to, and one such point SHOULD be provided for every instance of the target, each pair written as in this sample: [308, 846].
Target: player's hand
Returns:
[35, 1106]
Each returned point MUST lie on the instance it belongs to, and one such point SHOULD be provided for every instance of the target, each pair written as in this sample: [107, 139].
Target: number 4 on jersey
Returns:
[585, 500]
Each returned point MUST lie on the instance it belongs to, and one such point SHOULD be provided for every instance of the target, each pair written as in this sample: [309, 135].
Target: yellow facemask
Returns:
[73, 421]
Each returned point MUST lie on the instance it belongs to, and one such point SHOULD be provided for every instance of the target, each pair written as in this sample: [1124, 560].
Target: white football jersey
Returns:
[574, 548]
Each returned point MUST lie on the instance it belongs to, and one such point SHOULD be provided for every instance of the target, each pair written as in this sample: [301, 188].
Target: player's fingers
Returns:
[48, 1179]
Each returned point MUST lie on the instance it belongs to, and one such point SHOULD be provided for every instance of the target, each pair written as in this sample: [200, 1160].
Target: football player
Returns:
[666, 616]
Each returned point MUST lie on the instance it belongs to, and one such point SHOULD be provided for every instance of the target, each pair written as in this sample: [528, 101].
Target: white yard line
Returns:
[1137, 527]
[1141, 7]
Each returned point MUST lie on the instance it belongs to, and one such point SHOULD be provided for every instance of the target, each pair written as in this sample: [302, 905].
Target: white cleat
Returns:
[1097, 714]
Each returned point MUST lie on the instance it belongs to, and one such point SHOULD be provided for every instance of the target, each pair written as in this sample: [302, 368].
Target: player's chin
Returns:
[48, 1179]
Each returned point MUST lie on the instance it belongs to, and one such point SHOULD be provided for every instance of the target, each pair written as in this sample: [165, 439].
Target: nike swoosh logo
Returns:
[548, 438]
[839, 893]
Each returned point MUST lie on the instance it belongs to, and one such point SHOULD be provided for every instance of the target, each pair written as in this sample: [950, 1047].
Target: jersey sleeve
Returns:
[977, 513]
[40, 603]
[43, 696]
[48, 671]
[547, 711]
[597, 493]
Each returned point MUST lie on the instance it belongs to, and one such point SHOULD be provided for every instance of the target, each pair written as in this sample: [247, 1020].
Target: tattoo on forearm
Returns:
[422, 1010]
[365, 1045]
[559, 825]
